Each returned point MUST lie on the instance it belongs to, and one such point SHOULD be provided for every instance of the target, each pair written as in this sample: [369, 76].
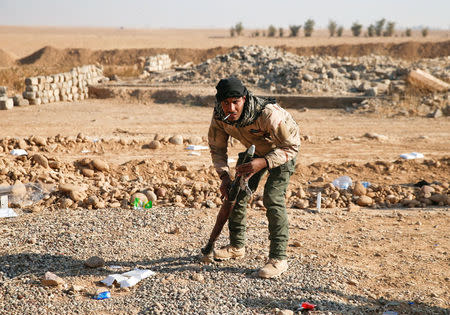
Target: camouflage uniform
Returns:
[276, 137]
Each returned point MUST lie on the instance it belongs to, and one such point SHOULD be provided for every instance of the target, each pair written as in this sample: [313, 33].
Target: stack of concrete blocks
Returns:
[156, 63]
[68, 86]
[5, 102]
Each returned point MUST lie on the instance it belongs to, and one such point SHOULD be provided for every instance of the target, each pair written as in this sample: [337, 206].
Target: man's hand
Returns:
[248, 169]
[225, 186]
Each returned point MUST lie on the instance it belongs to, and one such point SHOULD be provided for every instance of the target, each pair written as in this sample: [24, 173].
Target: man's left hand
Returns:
[248, 169]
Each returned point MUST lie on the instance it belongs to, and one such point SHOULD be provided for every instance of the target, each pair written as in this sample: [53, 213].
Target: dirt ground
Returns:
[400, 254]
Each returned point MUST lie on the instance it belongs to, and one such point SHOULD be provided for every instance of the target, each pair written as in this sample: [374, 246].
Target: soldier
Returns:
[259, 121]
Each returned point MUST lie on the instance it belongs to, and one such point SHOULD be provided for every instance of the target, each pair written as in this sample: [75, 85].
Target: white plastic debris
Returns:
[18, 152]
[342, 182]
[412, 156]
[85, 151]
[128, 279]
[197, 147]
[231, 160]
[319, 201]
[7, 213]
[195, 153]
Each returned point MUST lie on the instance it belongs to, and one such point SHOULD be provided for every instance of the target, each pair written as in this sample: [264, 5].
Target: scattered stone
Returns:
[155, 144]
[364, 201]
[195, 140]
[94, 262]
[50, 279]
[87, 172]
[177, 139]
[40, 159]
[100, 165]
[359, 189]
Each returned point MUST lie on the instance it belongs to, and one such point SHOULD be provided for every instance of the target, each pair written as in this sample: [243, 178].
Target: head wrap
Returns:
[253, 106]
[230, 87]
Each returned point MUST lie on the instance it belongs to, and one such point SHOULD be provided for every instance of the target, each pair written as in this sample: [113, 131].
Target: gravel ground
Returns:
[167, 241]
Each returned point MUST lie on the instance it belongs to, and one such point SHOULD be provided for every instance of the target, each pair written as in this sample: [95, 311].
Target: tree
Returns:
[389, 29]
[356, 29]
[340, 31]
[332, 27]
[271, 31]
[408, 32]
[309, 27]
[371, 30]
[294, 30]
[425, 32]
[238, 28]
[232, 32]
[281, 32]
[379, 27]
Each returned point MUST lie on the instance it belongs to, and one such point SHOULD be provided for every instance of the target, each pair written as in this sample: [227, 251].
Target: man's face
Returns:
[233, 106]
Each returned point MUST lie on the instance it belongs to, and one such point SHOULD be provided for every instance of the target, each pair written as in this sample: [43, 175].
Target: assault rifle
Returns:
[227, 207]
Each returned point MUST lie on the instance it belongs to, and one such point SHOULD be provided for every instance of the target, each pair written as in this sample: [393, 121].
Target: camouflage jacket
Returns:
[274, 133]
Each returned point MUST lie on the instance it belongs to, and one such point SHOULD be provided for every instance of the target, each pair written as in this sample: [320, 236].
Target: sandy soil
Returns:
[22, 41]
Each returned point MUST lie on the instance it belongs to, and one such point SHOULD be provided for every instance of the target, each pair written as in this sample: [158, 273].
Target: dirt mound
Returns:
[75, 56]
[408, 50]
[49, 55]
[6, 59]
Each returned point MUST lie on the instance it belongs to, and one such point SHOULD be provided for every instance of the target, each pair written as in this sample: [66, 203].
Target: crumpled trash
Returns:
[412, 156]
[18, 152]
[197, 147]
[102, 296]
[128, 279]
[343, 182]
[305, 306]
[7, 213]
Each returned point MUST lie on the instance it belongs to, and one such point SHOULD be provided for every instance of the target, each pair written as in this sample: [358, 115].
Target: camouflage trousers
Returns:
[274, 202]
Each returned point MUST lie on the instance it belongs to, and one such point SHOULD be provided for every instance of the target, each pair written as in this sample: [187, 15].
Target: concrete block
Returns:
[45, 100]
[76, 96]
[31, 88]
[41, 79]
[6, 104]
[57, 98]
[49, 79]
[3, 90]
[31, 81]
[36, 101]
[51, 99]
[29, 95]
[64, 97]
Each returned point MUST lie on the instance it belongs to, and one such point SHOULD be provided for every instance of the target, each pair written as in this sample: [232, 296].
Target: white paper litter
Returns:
[197, 147]
[128, 279]
[115, 267]
[85, 151]
[231, 160]
[18, 152]
[195, 153]
[412, 156]
[7, 213]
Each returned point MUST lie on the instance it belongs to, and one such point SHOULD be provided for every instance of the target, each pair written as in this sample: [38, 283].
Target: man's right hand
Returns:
[225, 186]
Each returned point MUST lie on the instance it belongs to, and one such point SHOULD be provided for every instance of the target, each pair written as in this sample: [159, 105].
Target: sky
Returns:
[253, 14]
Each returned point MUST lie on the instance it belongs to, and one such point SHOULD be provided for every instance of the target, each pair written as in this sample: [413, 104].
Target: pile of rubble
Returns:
[94, 183]
[155, 64]
[281, 72]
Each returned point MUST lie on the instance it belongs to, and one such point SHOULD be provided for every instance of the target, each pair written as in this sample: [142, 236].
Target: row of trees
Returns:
[380, 28]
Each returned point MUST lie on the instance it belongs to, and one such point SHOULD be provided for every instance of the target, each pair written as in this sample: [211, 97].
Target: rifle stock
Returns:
[227, 207]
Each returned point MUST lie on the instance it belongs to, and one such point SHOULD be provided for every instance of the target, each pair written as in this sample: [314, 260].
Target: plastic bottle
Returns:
[319, 200]
[102, 296]
[343, 182]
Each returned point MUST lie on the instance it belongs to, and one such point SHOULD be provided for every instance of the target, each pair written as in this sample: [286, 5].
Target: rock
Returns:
[161, 192]
[285, 312]
[94, 262]
[182, 168]
[359, 189]
[77, 195]
[40, 159]
[301, 193]
[22, 144]
[364, 201]
[155, 144]
[195, 140]
[100, 165]
[371, 92]
[353, 207]
[427, 190]
[87, 172]
[372, 135]
[210, 204]
[437, 113]
[151, 195]
[352, 281]
[40, 141]
[308, 77]
[438, 198]
[296, 244]
[66, 203]
[67, 188]
[177, 139]
[198, 277]
[50, 279]
[302, 204]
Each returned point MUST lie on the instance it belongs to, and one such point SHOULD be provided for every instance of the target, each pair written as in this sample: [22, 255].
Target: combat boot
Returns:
[228, 252]
[273, 268]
